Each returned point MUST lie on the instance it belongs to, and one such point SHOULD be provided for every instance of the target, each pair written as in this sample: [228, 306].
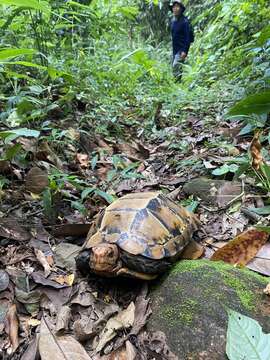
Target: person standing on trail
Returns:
[182, 36]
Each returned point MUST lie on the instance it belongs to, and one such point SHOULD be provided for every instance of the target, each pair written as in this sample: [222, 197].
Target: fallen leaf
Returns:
[243, 248]
[64, 255]
[36, 180]
[59, 347]
[33, 322]
[4, 280]
[43, 261]
[31, 351]
[63, 318]
[11, 229]
[192, 251]
[71, 230]
[267, 289]
[45, 153]
[255, 151]
[12, 327]
[39, 278]
[64, 279]
[123, 320]
[245, 338]
[83, 159]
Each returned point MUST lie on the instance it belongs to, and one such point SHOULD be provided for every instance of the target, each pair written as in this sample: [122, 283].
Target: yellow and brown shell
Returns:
[147, 224]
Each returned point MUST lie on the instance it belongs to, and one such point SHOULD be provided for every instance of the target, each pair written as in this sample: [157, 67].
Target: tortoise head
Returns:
[104, 258]
[101, 259]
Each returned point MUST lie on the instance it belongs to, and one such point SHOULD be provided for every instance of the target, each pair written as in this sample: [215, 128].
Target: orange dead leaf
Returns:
[12, 327]
[64, 279]
[242, 248]
[255, 150]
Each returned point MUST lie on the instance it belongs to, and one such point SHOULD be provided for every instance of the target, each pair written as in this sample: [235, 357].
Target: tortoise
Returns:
[140, 235]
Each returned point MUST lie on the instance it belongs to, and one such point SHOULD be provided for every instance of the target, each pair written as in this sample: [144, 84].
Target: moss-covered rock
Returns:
[189, 306]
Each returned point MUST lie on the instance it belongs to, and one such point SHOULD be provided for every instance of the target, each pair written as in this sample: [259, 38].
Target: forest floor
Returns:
[50, 199]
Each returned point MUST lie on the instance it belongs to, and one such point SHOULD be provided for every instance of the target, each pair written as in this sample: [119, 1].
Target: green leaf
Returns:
[193, 206]
[264, 36]
[79, 206]
[109, 198]
[24, 63]
[29, 4]
[224, 169]
[86, 192]
[11, 53]
[253, 104]
[263, 228]
[12, 151]
[245, 339]
[11, 135]
[261, 211]
[94, 162]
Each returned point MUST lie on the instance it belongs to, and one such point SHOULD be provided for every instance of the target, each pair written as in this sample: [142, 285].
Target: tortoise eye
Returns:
[111, 253]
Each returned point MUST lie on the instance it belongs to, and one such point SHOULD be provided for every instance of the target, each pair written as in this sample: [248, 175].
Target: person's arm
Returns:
[186, 40]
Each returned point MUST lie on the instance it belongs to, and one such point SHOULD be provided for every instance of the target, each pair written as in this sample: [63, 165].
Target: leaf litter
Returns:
[62, 312]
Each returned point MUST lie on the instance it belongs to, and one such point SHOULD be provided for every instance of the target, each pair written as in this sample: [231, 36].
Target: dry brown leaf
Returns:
[192, 251]
[243, 248]
[45, 153]
[123, 320]
[43, 261]
[36, 180]
[255, 151]
[59, 347]
[12, 327]
[83, 159]
[267, 289]
[11, 229]
[33, 322]
[64, 279]
[63, 318]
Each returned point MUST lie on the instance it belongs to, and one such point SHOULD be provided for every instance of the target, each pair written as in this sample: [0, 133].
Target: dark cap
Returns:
[178, 2]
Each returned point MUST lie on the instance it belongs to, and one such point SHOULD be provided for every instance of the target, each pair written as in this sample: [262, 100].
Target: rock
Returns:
[189, 306]
[214, 192]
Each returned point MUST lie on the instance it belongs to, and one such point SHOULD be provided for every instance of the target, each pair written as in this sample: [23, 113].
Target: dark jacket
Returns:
[180, 35]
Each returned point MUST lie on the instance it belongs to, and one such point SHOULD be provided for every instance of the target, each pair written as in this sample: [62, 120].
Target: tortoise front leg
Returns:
[135, 274]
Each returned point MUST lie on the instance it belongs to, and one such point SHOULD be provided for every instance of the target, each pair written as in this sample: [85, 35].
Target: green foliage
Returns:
[245, 338]
[253, 104]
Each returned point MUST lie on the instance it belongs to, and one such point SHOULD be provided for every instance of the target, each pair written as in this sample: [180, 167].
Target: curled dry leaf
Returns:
[43, 261]
[12, 327]
[83, 160]
[36, 180]
[267, 289]
[123, 320]
[64, 279]
[255, 151]
[59, 347]
[62, 320]
[243, 248]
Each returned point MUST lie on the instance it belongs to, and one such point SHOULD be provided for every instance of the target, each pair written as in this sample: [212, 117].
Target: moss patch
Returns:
[183, 312]
[229, 275]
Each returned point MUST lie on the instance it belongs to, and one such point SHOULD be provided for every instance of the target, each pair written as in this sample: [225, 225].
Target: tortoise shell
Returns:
[147, 224]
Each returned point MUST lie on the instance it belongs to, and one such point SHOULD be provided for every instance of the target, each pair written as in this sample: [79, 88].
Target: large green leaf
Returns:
[253, 104]
[11, 53]
[245, 339]
[261, 211]
[11, 135]
[29, 4]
